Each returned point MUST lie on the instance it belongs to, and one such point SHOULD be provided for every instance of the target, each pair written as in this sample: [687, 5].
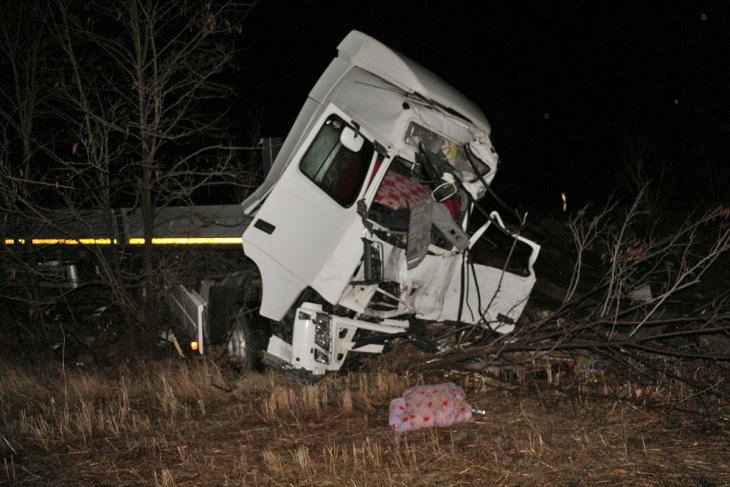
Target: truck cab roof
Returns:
[392, 98]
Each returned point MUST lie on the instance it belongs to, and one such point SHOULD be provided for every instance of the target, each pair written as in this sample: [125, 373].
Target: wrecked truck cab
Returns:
[365, 225]
[367, 207]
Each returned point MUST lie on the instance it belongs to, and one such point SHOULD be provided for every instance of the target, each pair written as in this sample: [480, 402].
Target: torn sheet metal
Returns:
[419, 233]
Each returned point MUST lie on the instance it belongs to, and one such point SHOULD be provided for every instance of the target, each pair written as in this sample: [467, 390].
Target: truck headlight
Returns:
[322, 336]
[321, 357]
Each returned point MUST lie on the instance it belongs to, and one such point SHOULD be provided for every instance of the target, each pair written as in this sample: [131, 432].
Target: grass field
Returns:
[175, 423]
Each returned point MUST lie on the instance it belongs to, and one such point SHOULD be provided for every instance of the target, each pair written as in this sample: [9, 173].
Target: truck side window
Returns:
[338, 171]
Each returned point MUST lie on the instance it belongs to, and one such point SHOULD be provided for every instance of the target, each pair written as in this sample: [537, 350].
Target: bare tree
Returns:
[637, 298]
[138, 119]
[25, 53]
[159, 98]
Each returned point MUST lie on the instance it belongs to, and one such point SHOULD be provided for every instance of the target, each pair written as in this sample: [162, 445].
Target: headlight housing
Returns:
[322, 330]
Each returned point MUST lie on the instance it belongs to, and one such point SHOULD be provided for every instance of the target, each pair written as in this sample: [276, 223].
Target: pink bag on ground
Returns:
[429, 406]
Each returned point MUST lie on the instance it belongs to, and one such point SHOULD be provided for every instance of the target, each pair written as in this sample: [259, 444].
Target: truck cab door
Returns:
[307, 232]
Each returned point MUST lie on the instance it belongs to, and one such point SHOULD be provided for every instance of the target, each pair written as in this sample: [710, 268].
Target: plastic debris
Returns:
[429, 406]
[642, 294]
[593, 367]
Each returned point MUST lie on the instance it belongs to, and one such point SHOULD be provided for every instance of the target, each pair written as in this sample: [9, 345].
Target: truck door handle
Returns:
[264, 226]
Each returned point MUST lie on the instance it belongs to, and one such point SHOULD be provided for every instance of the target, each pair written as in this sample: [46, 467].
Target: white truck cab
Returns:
[367, 208]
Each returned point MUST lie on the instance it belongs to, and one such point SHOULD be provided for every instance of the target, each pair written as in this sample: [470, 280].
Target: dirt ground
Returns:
[562, 420]
[186, 423]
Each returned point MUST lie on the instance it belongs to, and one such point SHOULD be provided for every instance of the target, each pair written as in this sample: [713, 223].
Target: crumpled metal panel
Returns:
[419, 232]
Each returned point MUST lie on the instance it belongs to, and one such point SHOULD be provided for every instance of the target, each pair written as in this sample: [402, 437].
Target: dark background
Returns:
[569, 87]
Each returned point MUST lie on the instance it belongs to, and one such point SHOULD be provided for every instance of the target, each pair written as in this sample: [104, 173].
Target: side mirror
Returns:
[443, 192]
[351, 139]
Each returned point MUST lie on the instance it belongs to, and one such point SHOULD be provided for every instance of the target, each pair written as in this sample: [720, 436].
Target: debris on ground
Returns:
[429, 406]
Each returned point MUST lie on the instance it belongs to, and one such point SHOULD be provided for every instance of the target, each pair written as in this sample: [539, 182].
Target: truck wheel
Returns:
[243, 344]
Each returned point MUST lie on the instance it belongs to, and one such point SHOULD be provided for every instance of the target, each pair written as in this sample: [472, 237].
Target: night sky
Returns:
[568, 87]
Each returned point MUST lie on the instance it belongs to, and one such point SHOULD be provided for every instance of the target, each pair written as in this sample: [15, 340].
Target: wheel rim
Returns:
[237, 345]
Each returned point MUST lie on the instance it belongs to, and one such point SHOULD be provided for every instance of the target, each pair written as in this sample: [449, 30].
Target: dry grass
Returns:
[179, 424]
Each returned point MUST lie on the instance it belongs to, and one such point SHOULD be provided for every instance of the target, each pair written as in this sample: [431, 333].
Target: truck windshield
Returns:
[337, 170]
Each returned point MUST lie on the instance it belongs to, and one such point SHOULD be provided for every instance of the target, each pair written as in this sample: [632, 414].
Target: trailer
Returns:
[365, 227]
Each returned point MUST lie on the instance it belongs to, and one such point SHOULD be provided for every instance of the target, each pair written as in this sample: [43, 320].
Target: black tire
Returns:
[244, 342]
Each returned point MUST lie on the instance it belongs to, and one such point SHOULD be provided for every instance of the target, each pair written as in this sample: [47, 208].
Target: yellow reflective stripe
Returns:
[72, 241]
[132, 241]
[189, 241]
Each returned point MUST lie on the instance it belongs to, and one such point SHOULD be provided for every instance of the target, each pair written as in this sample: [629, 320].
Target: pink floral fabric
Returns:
[429, 406]
[398, 192]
